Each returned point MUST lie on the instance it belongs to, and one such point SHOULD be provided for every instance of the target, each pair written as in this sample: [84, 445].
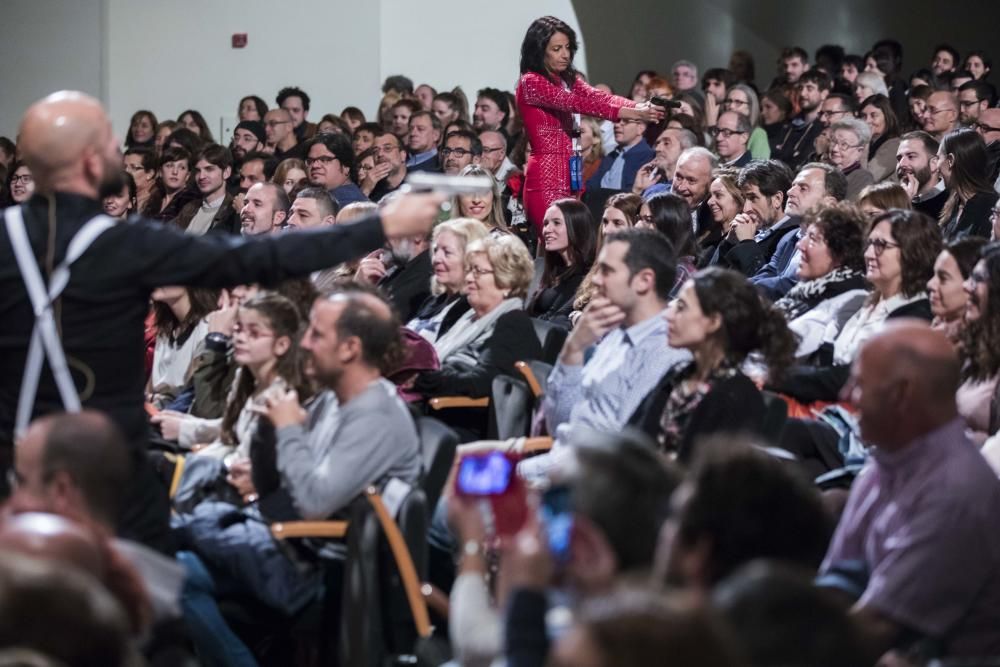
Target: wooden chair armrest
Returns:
[529, 376]
[442, 402]
[175, 479]
[290, 529]
[535, 445]
[436, 599]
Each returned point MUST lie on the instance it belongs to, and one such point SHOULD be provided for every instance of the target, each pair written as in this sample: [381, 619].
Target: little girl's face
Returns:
[254, 341]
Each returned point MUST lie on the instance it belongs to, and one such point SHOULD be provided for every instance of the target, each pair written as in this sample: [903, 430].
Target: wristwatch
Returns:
[472, 548]
[217, 341]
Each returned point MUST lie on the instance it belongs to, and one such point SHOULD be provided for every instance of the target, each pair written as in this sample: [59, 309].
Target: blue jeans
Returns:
[216, 643]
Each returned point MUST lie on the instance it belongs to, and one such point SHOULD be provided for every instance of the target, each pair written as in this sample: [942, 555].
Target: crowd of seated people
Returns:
[770, 436]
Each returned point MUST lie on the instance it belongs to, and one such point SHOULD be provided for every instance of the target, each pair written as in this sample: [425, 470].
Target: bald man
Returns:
[67, 141]
[941, 116]
[918, 537]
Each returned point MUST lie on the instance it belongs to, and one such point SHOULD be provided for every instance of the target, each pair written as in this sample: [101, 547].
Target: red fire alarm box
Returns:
[239, 40]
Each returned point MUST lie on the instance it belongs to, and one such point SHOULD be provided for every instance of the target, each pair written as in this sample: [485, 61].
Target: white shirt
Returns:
[865, 324]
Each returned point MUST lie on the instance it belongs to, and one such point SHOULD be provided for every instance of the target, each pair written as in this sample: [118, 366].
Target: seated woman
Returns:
[620, 212]
[878, 198]
[486, 207]
[725, 201]
[849, 139]
[831, 275]
[179, 314]
[671, 216]
[946, 288]
[568, 236]
[899, 260]
[447, 301]
[291, 175]
[173, 187]
[876, 111]
[962, 161]
[719, 317]
[494, 333]
[980, 349]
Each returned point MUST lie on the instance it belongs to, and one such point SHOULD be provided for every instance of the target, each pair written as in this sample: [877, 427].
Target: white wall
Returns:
[456, 42]
[47, 45]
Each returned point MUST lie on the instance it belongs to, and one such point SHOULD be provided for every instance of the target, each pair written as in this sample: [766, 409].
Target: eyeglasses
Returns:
[966, 103]
[276, 123]
[325, 159]
[843, 145]
[457, 152]
[723, 132]
[982, 127]
[880, 245]
[477, 272]
[626, 121]
[487, 151]
[23, 178]
[736, 103]
[830, 114]
[932, 111]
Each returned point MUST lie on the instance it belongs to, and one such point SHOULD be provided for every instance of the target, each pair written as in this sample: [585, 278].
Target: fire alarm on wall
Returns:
[239, 40]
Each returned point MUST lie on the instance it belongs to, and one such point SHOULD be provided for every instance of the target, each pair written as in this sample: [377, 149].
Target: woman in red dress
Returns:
[548, 94]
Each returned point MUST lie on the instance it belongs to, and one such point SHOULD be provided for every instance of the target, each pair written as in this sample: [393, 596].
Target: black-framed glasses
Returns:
[880, 246]
[982, 127]
[325, 159]
[723, 132]
[487, 150]
[457, 152]
[964, 104]
[830, 114]
[22, 178]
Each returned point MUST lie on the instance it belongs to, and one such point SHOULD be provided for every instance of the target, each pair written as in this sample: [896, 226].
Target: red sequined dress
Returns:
[547, 107]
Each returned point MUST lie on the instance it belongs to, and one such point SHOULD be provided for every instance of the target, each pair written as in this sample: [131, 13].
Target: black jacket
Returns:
[732, 405]
[408, 286]
[554, 304]
[749, 256]
[975, 218]
[795, 142]
[225, 221]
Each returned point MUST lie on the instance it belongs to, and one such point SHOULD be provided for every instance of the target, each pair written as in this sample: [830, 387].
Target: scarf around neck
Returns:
[468, 329]
[806, 296]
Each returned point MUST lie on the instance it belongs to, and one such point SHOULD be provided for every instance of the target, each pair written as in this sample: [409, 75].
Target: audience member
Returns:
[731, 134]
[946, 289]
[879, 198]
[390, 165]
[291, 175]
[248, 137]
[265, 209]
[917, 171]
[656, 177]
[193, 121]
[961, 159]
[795, 143]
[876, 111]
[988, 127]
[461, 149]
[692, 177]
[491, 110]
[903, 385]
[330, 161]
[214, 212]
[173, 188]
[280, 135]
[122, 203]
[401, 112]
[486, 206]
[941, 116]
[621, 212]
[494, 156]
[568, 237]
[296, 102]
[141, 130]
[741, 98]
[849, 139]
[422, 140]
[251, 108]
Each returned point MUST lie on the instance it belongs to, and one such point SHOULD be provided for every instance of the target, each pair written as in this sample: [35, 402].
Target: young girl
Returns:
[179, 315]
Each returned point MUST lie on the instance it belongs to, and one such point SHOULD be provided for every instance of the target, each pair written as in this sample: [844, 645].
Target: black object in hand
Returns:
[664, 102]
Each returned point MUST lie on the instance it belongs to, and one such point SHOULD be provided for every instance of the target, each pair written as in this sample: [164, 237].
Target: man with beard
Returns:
[214, 212]
[93, 337]
[330, 161]
[461, 148]
[988, 127]
[402, 271]
[795, 143]
[919, 175]
[265, 210]
[390, 165]
[248, 137]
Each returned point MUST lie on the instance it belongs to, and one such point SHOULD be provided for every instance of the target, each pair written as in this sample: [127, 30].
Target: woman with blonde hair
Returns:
[486, 207]
[290, 175]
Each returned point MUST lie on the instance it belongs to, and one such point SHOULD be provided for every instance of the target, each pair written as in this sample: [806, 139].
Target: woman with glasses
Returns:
[961, 161]
[831, 276]
[491, 336]
[742, 99]
[876, 111]
[140, 163]
[549, 95]
[849, 138]
[899, 260]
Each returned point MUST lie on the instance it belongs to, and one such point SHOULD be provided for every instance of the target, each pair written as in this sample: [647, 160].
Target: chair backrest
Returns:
[437, 446]
[542, 371]
[551, 337]
[775, 416]
[510, 408]
[398, 626]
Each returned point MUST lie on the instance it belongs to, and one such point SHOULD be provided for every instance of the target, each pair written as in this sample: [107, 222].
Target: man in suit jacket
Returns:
[422, 142]
[732, 133]
[618, 169]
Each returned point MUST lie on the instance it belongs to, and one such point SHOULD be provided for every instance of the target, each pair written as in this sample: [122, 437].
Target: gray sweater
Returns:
[340, 451]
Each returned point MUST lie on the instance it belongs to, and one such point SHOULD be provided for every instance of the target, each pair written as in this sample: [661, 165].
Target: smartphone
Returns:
[664, 102]
[484, 475]
[557, 518]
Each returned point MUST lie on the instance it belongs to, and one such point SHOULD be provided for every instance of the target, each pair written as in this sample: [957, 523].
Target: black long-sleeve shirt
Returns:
[101, 311]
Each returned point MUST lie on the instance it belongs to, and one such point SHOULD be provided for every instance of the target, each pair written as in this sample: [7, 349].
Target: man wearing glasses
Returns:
[495, 154]
[461, 148]
[974, 97]
[329, 162]
[280, 136]
[988, 127]
[835, 107]
[731, 135]
[942, 114]
[390, 165]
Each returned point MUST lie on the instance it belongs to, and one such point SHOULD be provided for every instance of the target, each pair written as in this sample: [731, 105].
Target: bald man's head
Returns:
[54, 538]
[903, 383]
[67, 141]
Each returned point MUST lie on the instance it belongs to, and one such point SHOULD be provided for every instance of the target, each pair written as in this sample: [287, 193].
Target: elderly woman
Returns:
[876, 111]
[868, 84]
[495, 332]
[849, 139]
[486, 207]
[447, 302]
[946, 288]
[899, 260]
[831, 285]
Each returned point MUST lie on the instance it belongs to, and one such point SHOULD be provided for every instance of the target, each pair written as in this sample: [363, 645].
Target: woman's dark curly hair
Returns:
[536, 40]
[920, 242]
[845, 229]
[981, 337]
[747, 325]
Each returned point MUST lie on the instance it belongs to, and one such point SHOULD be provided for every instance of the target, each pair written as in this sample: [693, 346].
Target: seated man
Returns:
[657, 176]
[916, 542]
[618, 350]
[756, 232]
[732, 134]
[618, 169]
[320, 464]
[402, 271]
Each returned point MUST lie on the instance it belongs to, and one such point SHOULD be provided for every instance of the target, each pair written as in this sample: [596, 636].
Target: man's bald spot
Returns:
[278, 113]
[52, 537]
[940, 97]
[990, 117]
[373, 303]
[59, 130]
[912, 351]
